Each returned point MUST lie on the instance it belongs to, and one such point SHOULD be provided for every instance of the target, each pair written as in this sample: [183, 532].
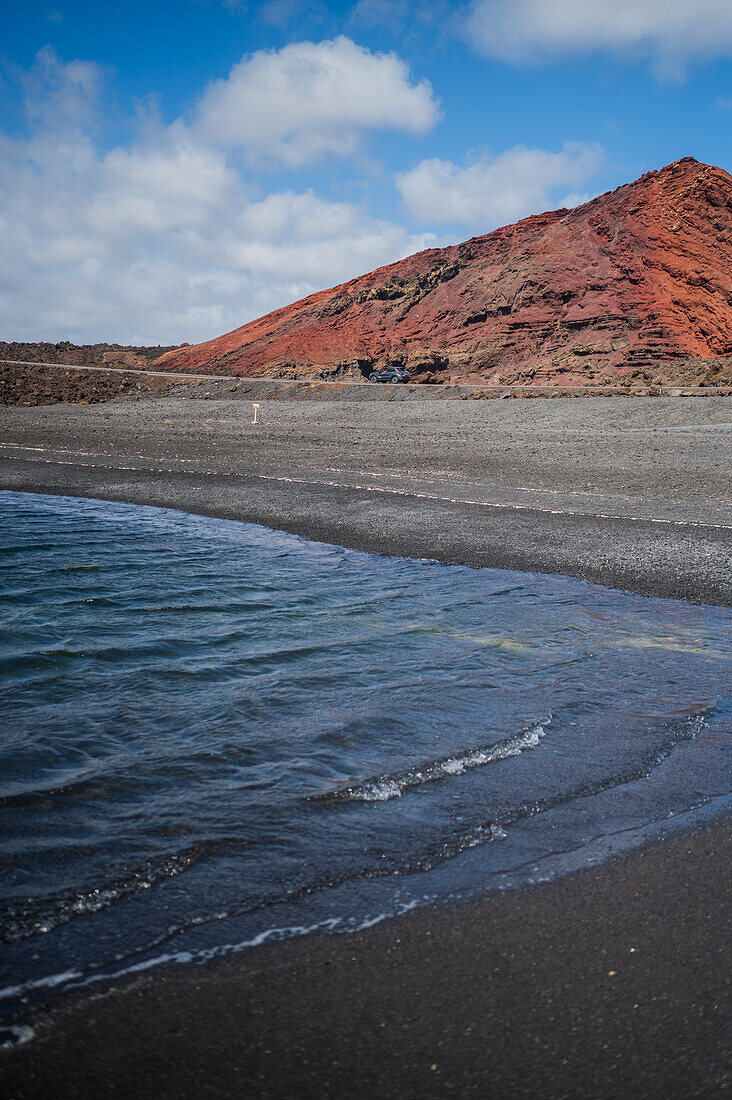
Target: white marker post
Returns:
[255, 407]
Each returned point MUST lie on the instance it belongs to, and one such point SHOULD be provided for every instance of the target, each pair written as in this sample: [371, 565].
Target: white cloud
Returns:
[309, 99]
[162, 185]
[160, 241]
[495, 191]
[278, 236]
[58, 96]
[668, 32]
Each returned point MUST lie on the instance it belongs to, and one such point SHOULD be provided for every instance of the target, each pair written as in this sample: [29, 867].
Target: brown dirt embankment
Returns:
[44, 385]
[27, 383]
[85, 355]
[21, 384]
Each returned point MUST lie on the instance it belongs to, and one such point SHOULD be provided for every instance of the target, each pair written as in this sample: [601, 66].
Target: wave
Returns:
[388, 786]
[20, 921]
[24, 921]
[497, 828]
[449, 848]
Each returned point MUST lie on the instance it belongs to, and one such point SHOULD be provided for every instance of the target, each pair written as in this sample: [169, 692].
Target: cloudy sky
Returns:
[172, 169]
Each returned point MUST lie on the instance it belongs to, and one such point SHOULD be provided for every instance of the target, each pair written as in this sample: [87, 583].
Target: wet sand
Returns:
[613, 982]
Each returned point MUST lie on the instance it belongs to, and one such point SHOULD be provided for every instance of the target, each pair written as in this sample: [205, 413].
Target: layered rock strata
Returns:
[628, 286]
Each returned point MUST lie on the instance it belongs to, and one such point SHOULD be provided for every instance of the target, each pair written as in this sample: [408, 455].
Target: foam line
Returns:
[386, 787]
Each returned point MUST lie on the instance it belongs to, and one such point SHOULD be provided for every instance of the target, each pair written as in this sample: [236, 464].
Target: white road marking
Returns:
[493, 504]
[413, 494]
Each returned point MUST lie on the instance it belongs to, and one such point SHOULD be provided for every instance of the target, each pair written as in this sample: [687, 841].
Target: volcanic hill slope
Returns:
[634, 284]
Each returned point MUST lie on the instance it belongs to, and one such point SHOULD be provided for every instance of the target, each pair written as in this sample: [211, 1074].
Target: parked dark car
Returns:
[390, 374]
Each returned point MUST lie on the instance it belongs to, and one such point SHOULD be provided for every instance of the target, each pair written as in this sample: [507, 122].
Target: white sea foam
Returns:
[15, 1035]
[75, 979]
[386, 787]
[17, 926]
[49, 982]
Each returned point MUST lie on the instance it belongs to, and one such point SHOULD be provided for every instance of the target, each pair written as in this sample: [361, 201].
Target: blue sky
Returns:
[171, 170]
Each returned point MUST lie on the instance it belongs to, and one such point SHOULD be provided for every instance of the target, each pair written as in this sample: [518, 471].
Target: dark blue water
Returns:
[214, 734]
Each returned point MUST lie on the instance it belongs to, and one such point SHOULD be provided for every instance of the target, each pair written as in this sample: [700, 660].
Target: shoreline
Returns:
[610, 981]
[704, 594]
[633, 498]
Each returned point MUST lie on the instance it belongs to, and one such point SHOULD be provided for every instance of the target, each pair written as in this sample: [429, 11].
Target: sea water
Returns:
[214, 735]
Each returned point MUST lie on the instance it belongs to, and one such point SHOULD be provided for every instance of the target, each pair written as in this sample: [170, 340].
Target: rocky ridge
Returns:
[635, 285]
[82, 355]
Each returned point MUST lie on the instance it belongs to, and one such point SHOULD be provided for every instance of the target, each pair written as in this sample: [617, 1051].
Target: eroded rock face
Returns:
[622, 287]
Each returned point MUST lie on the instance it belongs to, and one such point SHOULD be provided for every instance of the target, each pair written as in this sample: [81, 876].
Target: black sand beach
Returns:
[613, 982]
[631, 493]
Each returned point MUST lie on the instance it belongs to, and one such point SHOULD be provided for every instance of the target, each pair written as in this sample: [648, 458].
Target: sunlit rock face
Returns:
[633, 284]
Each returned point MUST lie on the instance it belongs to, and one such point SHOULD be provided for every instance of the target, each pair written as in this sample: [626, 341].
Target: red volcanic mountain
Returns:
[638, 277]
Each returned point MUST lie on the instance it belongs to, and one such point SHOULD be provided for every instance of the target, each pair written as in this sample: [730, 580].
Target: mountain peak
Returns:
[637, 277]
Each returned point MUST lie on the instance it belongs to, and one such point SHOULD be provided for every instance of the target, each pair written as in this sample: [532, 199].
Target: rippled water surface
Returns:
[215, 734]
